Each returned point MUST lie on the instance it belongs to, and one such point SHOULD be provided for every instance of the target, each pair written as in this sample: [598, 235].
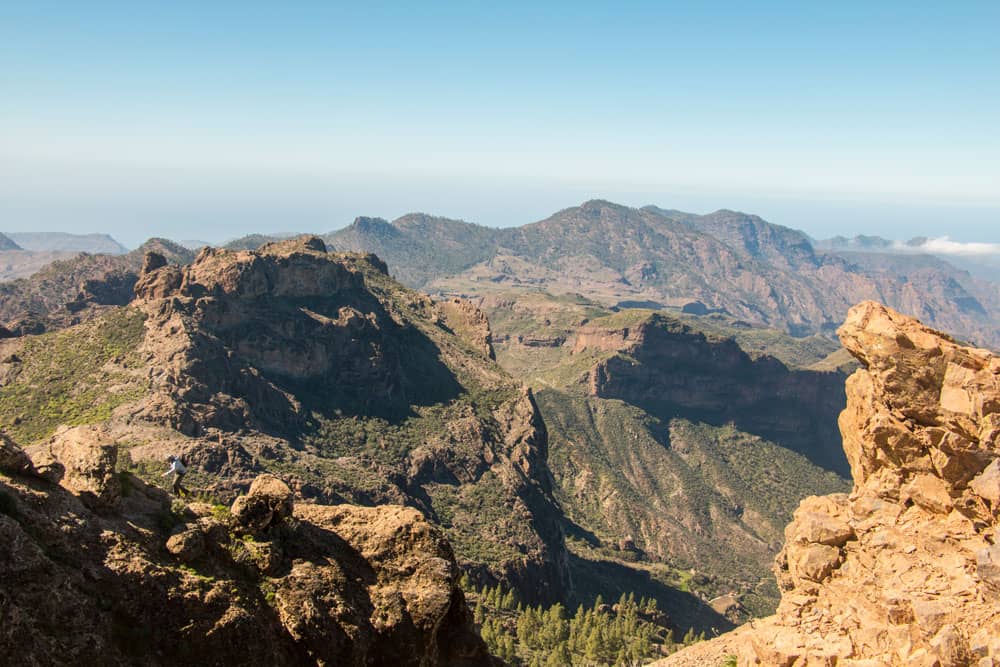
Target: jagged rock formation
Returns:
[319, 366]
[904, 570]
[74, 289]
[141, 581]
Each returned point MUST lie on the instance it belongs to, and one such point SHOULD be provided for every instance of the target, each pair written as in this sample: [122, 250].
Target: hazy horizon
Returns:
[210, 122]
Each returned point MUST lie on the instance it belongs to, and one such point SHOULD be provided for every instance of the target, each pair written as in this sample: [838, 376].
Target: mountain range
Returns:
[609, 401]
[980, 259]
[727, 262]
[724, 262]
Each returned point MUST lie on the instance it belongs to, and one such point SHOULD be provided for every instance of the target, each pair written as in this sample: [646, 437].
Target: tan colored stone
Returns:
[988, 565]
[815, 561]
[187, 546]
[919, 585]
[82, 459]
[822, 529]
[930, 615]
[986, 485]
[929, 492]
[268, 501]
[950, 648]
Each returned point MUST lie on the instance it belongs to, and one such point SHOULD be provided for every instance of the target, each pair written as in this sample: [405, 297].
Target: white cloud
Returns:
[945, 246]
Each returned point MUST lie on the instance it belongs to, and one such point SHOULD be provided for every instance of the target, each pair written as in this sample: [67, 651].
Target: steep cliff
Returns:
[669, 368]
[904, 570]
[292, 360]
[677, 454]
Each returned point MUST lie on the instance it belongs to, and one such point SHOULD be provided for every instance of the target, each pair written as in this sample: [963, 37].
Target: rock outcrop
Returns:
[268, 502]
[318, 365]
[148, 582]
[904, 570]
[82, 459]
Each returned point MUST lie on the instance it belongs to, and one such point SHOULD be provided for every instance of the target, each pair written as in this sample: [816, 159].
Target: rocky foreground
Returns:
[96, 567]
[906, 569]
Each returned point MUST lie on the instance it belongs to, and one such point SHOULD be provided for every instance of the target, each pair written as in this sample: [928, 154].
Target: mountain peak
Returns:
[599, 204]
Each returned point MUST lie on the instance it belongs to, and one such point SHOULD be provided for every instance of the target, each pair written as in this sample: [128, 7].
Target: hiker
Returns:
[179, 469]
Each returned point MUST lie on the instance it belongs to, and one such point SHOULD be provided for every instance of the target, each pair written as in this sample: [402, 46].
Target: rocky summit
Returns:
[904, 570]
[316, 367]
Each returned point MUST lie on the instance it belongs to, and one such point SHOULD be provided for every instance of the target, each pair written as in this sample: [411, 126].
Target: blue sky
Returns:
[210, 120]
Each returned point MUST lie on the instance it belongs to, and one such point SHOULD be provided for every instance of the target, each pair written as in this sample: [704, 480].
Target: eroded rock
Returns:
[353, 586]
[82, 459]
[187, 546]
[904, 571]
[13, 460]
[266, 504]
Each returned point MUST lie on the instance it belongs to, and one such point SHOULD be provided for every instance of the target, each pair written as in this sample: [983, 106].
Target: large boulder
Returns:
[82, 459]
[392, 599]
[187, 545]
[266, 504]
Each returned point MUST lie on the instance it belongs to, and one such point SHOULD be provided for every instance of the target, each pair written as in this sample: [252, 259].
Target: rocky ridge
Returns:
[904, 569]
[289, 359]
[76, 287]
[726, 261]
[96, 567]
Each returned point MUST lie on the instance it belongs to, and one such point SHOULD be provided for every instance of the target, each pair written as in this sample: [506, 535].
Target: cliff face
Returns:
[670, 369]
[904, 570]
[320, 367]
[673, 449]
[96, 567]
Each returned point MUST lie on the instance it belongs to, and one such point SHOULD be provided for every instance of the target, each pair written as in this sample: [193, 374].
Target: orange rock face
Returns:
[906, 569]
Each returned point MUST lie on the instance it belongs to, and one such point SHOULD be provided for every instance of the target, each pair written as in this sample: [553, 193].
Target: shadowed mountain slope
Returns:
[677, 454]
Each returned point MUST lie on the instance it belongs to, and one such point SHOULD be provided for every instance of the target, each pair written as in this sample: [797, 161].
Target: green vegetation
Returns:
[626, 634]
[74, 376]
[691, 495]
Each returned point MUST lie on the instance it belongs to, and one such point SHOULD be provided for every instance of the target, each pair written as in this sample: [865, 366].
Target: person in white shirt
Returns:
[178, 468]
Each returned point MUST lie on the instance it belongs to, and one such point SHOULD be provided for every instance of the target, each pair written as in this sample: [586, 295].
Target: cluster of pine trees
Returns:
[619, 635]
